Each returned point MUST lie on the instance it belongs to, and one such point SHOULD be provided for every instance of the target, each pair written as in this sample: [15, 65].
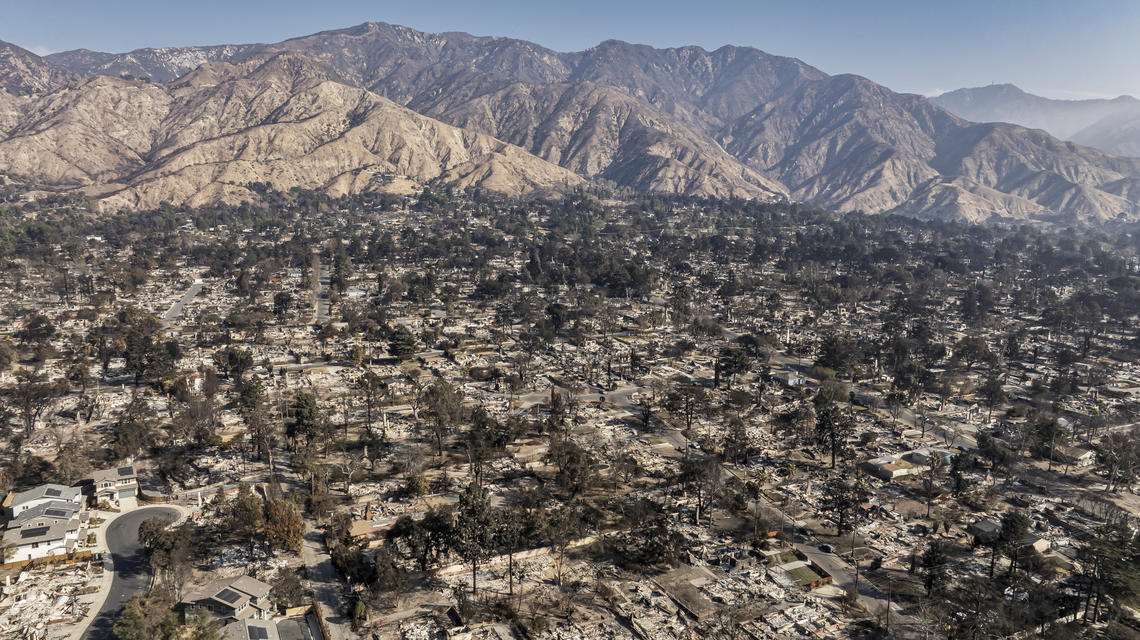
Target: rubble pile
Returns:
[41, 603]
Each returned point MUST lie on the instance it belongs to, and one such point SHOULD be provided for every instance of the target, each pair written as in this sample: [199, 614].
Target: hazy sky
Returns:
[1050, 47]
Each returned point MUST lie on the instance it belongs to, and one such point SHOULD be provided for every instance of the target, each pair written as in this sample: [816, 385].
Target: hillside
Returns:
[275, 118]
[731, 122]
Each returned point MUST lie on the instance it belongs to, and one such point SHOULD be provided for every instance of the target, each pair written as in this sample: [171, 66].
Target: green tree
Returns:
[1048, 433]
[688, 400]
[32, 395]
[284, 526]
[308, 419]
[841, 501]
[702, 475]
[840, 353]
[736, 443]
[732, 362]
[286, 588]
[8, 355]
[401, 344]
[1010, 538]
[234, 362]
[282, 302]
[474, 528]
[957, 468]
[573, 463]
[147, 617]
[372, 387]
[934, 466]
[934, 561]
[443, 402]
[511, 527]
[972, 350]
[246, 515]
[833, 427]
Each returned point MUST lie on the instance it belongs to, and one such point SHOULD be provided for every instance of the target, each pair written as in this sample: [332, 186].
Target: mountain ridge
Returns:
[1109, 124]
[279, 118]
[734, 121]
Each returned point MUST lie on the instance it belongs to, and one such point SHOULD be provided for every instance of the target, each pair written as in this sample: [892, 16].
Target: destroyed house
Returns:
[236, 598]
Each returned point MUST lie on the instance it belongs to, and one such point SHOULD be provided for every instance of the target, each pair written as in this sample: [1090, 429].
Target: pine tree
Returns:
[474, 528]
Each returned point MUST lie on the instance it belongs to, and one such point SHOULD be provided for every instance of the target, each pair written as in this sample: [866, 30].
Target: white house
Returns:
[16, 503]
[47, 529]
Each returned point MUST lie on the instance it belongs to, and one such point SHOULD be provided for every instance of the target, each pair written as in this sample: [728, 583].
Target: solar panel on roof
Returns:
[33, 533]
[228, 595]
[258, 633]
[53, 493]
[126, 471]
[55, 513]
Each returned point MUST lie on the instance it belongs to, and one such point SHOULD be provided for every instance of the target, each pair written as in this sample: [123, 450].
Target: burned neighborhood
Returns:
[460, 415]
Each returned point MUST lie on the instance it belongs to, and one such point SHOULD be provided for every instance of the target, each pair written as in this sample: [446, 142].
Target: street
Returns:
[176, 309]
[326, 584]
[131, 567]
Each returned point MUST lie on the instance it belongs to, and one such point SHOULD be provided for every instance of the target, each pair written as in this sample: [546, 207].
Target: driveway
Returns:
[132, 572]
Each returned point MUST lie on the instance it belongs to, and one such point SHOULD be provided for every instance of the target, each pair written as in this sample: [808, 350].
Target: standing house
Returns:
[984, 531]
[1078, 457]
[112, 484]
[47, 529]
[237, 598]
[250, 630]
[16, 503]
[790, 379]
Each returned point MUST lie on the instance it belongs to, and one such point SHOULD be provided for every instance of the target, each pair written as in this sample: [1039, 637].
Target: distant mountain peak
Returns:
[1100, 122]
[24, 73]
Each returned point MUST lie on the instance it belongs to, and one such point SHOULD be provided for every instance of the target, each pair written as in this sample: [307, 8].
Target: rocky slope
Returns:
[278, 118]
[731, 122]
[158, 65]
[24, 73]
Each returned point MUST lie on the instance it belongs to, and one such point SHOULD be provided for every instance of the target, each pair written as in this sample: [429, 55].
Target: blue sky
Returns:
[1061, 49]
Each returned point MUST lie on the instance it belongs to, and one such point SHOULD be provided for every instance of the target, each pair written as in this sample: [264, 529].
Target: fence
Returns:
[321, 624]
[77, 556]
[289, 612]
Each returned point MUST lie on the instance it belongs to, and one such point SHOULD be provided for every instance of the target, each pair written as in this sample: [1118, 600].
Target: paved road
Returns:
[177, 307]
[132, 570]
[321, 301]
[325, 582]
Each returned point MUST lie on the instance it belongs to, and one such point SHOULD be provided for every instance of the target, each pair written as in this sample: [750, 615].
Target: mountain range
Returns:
[1112, 125]
[335, 110]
